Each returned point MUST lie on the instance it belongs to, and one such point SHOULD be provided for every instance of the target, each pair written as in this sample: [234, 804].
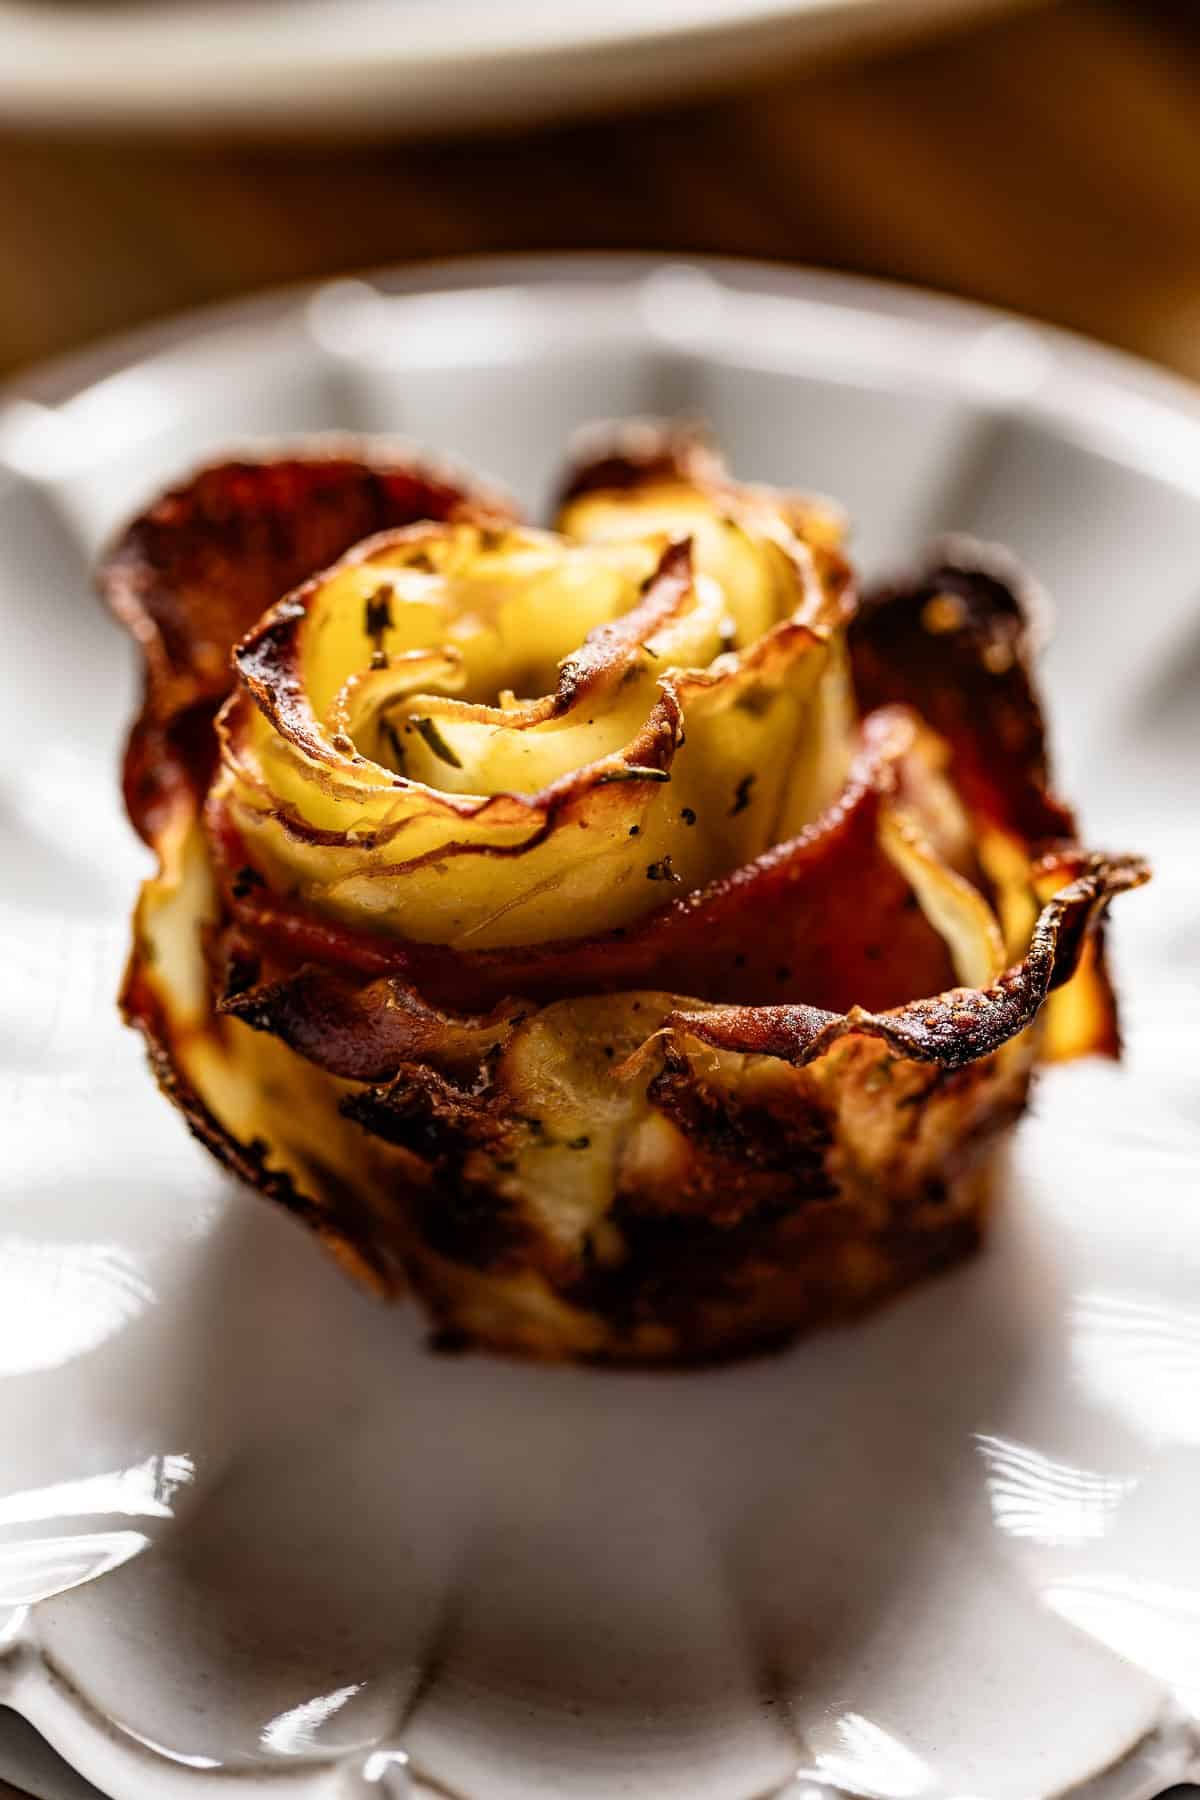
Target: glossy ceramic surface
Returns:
[357, 67]
[254, 1539]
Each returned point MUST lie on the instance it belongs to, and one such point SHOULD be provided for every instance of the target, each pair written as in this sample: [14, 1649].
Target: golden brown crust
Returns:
[765, 1101]
[250, 1160]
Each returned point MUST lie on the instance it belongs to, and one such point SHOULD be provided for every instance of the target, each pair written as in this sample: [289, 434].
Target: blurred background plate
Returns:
[255, 1542]
[396, 66]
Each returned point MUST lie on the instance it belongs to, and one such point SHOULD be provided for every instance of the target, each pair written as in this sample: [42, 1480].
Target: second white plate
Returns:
[355, 67]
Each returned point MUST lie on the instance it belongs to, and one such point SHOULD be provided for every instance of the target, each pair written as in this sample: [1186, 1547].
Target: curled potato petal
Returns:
[554, 936]
[392, 754]
[954, 638]
[189, 576]
[954, 1028]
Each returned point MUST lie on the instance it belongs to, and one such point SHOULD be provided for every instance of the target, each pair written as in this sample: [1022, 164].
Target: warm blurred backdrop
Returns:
[1047, 161]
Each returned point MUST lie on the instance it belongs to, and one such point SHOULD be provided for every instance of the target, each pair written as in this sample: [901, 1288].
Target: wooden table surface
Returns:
[1049, 161]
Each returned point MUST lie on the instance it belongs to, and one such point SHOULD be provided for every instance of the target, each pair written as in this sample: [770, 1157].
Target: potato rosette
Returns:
[622, 934]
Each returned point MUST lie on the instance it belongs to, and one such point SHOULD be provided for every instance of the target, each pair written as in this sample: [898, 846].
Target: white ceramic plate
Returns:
[371, 66]
[254, 1540]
